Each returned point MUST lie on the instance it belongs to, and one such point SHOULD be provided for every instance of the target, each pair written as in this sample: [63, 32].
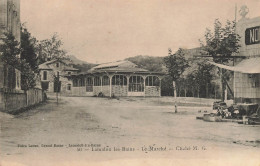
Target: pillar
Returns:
[160, 87]
[101, 82]
[110, 85]
[144, 77]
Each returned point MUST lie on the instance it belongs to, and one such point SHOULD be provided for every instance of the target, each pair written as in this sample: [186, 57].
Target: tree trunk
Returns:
[175, 96]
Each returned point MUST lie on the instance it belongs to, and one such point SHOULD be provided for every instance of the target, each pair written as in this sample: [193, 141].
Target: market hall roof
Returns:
[249, 66]
[119, 67]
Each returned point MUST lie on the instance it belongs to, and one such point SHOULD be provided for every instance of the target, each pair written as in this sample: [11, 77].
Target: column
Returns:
[101, 82]
[160, 91]
[127, 84]
[144, 77]
[110, 85]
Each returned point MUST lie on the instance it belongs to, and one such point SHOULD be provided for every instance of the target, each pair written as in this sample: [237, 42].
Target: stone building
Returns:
[247, 69]
[121, 78]
[56, 69]
[10, 78]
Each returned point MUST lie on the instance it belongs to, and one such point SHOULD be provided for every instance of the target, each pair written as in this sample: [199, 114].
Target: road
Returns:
[101, 130]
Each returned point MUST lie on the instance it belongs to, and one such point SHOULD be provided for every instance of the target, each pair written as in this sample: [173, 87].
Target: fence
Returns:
[13, 100]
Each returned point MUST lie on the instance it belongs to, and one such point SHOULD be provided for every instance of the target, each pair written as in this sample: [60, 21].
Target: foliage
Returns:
[27, 75]
[222, 42]
[50, 49]
[166, 86]
[10, 49]
[176, 64]
[28, 50]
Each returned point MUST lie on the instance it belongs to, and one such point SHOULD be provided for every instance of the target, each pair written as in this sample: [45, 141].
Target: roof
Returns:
[118, 67]
[250, 66]
[45, 65]
[123, 63]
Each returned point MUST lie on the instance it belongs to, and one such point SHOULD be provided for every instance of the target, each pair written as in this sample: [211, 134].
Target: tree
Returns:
[28, 50]
[176, 65]
[50, 49]
[10, 55]
[221, 44]
[28, 79]
[10, 50]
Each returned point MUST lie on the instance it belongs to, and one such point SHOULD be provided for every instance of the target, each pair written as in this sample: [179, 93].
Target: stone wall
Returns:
[119, 90]
[152, 91]
[106, 90]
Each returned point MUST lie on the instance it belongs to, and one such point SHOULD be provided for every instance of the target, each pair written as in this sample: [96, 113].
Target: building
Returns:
[121, 78]
[247, 70]
[56, 69]
[10, 78]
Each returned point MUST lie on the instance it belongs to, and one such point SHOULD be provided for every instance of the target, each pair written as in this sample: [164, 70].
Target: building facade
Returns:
[10, 78]
[56, 69]
[247, 79]
[121, 78]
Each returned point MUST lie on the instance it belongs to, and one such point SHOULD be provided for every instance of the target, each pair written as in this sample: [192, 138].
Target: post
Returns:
[175, 96]
[144, 77]
[160, 87]
[110, 84]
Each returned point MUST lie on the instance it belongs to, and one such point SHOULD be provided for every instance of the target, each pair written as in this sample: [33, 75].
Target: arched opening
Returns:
[105, 81]
[136, 84]
[152, 81]
[89, 84]
[97, 81]
[119, 80]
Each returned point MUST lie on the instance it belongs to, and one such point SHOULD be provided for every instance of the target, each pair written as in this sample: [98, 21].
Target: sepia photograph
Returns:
[129, 82]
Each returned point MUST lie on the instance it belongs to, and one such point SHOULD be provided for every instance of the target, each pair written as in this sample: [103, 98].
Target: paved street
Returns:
[141, 128]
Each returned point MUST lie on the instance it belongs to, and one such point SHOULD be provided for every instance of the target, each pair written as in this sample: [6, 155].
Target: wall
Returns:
[242, 25]
[119, 90]
[245, 88]
[152, 91]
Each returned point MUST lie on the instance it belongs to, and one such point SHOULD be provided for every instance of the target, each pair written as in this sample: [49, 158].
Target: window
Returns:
[69, 87]
[89, 81]
[152, 81]
[89, 86]
[44, 75]
[75, 83]
[57, 64]
[97, 81]
[255, 80]
[119, 80]
[136, 84]
[81, 82]
[105, 81]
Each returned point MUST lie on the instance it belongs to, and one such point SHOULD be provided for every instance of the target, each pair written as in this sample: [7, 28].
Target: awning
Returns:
[250, 66]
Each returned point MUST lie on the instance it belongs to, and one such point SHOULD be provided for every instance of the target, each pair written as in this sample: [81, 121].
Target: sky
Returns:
[99, 31]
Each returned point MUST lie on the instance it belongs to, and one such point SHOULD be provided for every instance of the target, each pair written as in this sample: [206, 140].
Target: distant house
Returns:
[120, 78]
[51, 70]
